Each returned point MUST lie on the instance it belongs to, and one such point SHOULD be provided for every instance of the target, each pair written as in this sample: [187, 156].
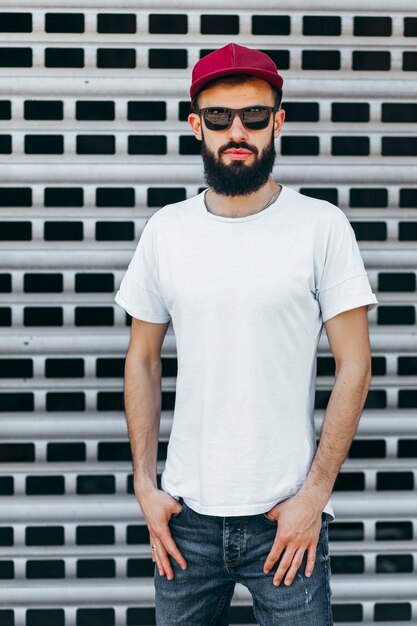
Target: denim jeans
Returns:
[221, 551]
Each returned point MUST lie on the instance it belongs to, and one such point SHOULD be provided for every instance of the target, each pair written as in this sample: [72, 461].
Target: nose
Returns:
[237, 130]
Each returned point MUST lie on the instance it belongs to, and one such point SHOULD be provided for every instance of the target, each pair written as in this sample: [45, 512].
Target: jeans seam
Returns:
[221, 604]
[327, 571]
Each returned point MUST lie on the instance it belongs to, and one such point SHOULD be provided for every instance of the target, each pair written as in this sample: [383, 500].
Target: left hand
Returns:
[299, 525]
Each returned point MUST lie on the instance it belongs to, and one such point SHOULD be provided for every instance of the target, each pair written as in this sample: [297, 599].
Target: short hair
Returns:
[233, 79]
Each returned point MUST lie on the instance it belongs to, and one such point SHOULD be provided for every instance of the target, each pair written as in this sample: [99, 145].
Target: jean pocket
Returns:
[175, 515]
[324, 541]
[265, 517]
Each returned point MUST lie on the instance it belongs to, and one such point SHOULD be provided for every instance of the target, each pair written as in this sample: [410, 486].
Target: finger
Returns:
[152, 543]
[171, 547]
[158, 562]
[158, 565]
[165, 546]
[295, 565]
[311, 559]
[278, 546]
[284, 565]
[164, 560]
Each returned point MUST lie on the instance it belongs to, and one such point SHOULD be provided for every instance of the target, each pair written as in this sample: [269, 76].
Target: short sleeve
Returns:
[139, 293]
[343, 282]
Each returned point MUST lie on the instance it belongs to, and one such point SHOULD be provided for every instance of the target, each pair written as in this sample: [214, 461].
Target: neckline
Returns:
[245, 218]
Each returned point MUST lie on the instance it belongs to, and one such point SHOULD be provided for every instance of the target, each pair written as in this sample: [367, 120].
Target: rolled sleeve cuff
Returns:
[349, 294]
[141, 313]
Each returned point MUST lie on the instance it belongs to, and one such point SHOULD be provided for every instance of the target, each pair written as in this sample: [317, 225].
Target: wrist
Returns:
[143, 488]
[317, 496]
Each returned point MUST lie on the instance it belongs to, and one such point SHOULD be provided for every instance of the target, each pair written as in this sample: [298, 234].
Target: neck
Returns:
[241, 206]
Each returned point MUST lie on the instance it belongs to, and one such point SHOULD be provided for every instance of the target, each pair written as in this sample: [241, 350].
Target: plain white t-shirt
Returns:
[247, 297]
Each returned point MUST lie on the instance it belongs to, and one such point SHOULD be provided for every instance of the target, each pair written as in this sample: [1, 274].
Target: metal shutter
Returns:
[93, 140]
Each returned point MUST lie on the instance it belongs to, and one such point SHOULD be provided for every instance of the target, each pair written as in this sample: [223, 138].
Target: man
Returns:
[248, 271]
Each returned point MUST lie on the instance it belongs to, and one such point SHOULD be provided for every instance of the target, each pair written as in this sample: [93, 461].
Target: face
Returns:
[237, 161]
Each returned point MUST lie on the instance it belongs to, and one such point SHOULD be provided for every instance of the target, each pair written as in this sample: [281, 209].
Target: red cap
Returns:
[234, 59]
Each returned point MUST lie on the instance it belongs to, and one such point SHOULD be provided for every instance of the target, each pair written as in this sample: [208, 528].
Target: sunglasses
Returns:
[253, 118]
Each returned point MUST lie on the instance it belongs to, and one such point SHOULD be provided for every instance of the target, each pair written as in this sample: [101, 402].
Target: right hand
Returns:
[158, 507]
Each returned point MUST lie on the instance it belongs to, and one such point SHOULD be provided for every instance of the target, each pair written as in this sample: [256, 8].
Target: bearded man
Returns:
[247, 271]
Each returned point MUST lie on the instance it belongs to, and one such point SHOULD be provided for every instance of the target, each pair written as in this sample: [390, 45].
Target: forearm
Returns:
[142, 394]
[340, 422]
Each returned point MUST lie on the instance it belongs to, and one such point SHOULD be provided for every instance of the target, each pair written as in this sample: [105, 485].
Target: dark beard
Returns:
[237, 179]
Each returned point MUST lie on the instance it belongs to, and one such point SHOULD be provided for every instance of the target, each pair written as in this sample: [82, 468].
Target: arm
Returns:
[349, 341]
[300, 516]
[142, 395]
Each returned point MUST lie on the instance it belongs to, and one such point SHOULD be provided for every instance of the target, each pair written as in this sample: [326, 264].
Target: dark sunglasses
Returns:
[253, 118]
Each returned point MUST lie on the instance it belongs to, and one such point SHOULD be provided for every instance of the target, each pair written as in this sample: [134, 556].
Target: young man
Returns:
[248, 271]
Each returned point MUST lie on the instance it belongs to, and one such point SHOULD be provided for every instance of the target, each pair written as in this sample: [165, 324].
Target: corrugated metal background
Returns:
[93, 140]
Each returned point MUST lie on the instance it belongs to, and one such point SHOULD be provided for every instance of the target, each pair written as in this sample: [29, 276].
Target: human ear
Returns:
[278, 121]
[194, 121]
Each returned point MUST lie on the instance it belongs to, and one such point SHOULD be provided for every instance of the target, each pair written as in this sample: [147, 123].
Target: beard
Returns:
[238, 179]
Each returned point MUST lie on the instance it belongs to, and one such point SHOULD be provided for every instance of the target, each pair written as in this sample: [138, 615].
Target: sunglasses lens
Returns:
[217, 119]
[256, 118]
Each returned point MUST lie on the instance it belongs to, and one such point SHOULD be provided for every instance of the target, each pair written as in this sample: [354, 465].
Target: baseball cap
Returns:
[234, 59]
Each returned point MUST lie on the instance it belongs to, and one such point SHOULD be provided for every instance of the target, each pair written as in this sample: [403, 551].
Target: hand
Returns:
[299, 525]
[158, 507]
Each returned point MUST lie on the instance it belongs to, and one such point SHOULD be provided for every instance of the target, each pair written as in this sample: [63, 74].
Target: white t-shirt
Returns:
[247, 297]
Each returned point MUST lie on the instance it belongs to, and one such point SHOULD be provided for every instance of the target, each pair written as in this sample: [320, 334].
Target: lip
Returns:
[238, 154]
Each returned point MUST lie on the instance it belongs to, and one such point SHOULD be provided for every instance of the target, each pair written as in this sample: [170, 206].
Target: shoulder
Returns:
[171, 214]
[315, 207]
[321, 215]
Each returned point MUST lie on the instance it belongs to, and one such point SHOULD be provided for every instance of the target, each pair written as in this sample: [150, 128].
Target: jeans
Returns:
[221, 551]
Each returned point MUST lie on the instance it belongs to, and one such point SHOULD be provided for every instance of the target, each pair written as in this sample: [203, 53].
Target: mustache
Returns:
[237, 145]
